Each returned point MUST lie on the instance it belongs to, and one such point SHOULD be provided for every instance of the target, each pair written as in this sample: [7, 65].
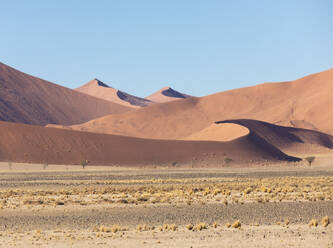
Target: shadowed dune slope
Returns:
[101, 90]
[166, 94]
[27, 143]
[287, 139]
[303, 103]
[27, 99]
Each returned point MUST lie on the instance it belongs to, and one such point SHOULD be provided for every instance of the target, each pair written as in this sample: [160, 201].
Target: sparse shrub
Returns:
[189, 227]
[84, 163]
[60, 203]
[313, 222]
[236, 224]
[144, 227]
[227, 160]
[247, 191]
[228, 225]
[286, 222]
[200, 226]
[173, 227]
[310, 159]
[325, 221]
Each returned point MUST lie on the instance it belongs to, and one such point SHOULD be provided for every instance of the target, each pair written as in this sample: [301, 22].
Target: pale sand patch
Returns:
[246, 236]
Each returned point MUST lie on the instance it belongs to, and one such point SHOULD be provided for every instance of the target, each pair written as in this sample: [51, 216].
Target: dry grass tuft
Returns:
[313, 222]
[189, 227]
[325, 221]
[200, 226]
[236, 224]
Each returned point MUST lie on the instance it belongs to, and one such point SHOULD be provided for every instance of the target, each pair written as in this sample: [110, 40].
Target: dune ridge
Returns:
[31, 100]
[166, 94]
[101, 90]
[303, 103]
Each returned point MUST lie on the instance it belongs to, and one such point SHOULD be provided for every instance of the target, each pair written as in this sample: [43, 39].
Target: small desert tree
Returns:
[227, 160]
[84, 163]
[310, 159]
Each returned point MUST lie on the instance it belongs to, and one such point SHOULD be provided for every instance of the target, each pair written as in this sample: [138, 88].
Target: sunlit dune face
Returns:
[220, 132]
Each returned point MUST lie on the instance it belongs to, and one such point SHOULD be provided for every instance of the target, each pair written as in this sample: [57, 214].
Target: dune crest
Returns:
[101, 90]
[306, 102]
[27, 99]
[166, 94]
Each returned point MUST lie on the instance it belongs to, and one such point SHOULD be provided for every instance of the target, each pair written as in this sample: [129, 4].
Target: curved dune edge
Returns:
[222, 132]
[35, 144]
[289, 103]
[287, 139]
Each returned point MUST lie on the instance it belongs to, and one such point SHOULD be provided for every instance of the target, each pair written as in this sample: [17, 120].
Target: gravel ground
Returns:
[76, 222]
[249, 213]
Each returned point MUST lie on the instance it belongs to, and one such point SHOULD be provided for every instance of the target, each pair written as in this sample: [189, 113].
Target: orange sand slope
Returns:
[99, 89]
[303, 103]
[35, 144]
[27, 99]
[166, 94]
[221, 132]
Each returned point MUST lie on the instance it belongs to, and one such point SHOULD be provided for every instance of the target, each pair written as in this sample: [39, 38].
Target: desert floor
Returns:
[68, 206]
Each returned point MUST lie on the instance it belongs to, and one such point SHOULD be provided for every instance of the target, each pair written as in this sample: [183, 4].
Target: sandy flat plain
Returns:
[68, 206]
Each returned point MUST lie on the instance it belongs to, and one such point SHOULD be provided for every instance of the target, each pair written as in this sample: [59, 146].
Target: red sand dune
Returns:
[27, 99]
[36, 144]
[303, 103]
[101, 90]
[166, 94]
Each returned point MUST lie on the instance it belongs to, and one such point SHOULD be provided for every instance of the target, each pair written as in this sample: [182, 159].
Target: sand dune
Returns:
[287, 139]
[27, 99]
[166, 94]
[35, 144]
[303, 103]
[101, 90]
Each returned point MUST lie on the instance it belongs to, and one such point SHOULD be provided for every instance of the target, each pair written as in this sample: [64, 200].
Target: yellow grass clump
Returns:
[236, 224]
[189, 227]
[313, 222]
[200, 226]
[325, 221]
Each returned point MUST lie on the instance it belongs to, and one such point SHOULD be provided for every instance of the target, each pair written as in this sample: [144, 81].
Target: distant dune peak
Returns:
[99, 89]
[95, 82]
[166, 94]
[172, 93]
[100, 83]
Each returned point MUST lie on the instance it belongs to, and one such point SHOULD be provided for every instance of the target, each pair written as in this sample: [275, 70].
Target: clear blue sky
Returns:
[198, 47]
